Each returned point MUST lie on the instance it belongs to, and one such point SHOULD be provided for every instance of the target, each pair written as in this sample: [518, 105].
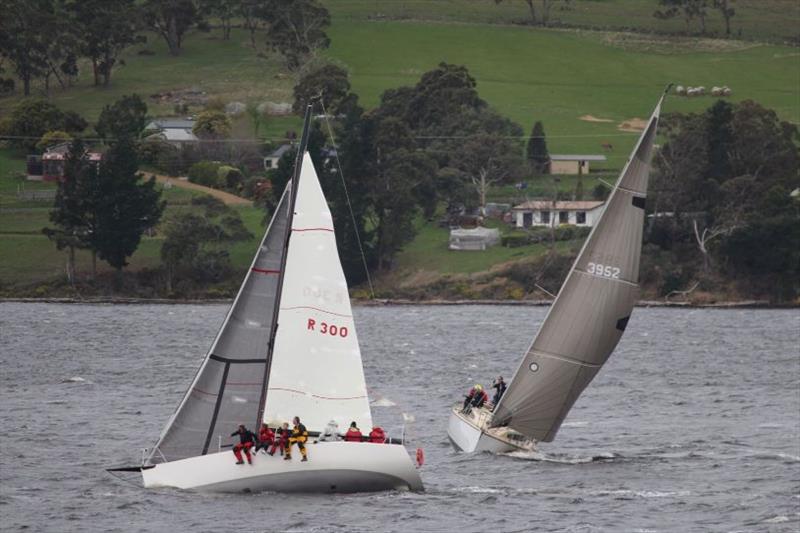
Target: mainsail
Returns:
[591, 311]
[227, 389]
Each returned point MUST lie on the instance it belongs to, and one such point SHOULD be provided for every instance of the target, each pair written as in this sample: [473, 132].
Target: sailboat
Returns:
[288, 347]
[582, 326]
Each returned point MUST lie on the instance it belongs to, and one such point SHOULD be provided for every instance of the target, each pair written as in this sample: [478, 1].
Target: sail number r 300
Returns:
[327, 329]
[603, 270]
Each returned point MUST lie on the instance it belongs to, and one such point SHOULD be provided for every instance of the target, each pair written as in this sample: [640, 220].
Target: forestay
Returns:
[226, 391]
[316, 363]
[591, 311]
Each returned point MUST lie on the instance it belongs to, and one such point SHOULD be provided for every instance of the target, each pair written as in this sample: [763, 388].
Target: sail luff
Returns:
[282, 275]
[562, 376]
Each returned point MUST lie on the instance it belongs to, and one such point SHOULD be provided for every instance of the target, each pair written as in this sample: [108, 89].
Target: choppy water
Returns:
[695, 422]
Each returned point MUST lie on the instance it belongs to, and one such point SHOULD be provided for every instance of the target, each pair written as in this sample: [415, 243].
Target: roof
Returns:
[547, 205]
[279, 151]
[170, 123]
[577, 157]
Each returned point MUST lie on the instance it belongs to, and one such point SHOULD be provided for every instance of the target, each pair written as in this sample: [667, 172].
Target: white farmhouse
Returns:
[573, 164]
[549, 213]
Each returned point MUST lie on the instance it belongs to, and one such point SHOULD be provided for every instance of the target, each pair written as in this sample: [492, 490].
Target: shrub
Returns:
[205, 173]
[231, 177]
[514, 240]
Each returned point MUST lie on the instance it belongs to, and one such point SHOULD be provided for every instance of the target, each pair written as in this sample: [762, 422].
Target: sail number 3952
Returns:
[603, 270]
[327, 329]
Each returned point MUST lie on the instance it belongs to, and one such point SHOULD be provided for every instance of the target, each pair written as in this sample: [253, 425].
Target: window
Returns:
[545, 217]
[563, 217]
[580, 217]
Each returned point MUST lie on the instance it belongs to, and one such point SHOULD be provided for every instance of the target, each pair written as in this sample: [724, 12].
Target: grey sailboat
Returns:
[582, 327]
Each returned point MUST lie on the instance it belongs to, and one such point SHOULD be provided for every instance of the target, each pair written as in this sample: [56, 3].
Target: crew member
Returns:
[266, 438]
[299, 436]
[353, 434]
[246, 440]
[476, 398]
[331, 432]
[377, 435]
[500, 387]
[281, 439]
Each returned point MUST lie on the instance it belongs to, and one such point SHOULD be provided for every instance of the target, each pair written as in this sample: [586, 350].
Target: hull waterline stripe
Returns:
[229, 361]
[313, 229]
[317, 395]
[315, 309]
[265, 271]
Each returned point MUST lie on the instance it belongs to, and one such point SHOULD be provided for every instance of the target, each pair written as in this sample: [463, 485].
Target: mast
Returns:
[276, 309]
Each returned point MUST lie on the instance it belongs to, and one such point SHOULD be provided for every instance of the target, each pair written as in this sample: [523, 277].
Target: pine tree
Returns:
[537, 155]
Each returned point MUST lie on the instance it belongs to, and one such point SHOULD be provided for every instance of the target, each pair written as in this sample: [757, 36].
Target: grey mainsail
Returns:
[591, 311]
[227, 388]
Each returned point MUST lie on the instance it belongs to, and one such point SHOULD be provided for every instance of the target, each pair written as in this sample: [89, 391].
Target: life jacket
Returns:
[266, 435]
[377, 435]
[300, 432]
[353, 435]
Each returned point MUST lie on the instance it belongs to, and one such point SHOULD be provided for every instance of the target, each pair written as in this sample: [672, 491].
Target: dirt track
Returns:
[228, 198]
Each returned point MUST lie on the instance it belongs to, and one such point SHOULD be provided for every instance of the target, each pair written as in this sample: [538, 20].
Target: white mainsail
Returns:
[316, 370]
[591, 311]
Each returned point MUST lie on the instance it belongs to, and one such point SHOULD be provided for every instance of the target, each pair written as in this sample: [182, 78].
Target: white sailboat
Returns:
[581, 329]
[288, 347]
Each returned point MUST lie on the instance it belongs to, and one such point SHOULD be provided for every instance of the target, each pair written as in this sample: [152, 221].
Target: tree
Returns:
[253, 14]
[123, 206]
[546, 5]
[724, 7]
[70, 209]
[170, 19]
[212, 125]
[224, 10]
[32, 118]
[536, 150]
[197, 242]
[53, 138]
[257, 116]
[719, 135]
[487, 159]
[124, 119]
[688, 9]
[105, 29]
[296, 29]
[327, 82]
[22, 40]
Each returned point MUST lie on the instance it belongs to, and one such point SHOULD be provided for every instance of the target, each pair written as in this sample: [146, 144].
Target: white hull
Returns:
[468, 433]
[331, 467]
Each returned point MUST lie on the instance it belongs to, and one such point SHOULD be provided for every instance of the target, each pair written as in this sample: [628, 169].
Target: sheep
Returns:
[726, 91]
[716, 91]
[680, 90]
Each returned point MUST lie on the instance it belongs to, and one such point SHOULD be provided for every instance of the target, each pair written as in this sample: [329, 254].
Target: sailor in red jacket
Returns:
[281, 439]
[353, 434]
[476, 398]
[246, 441]
[266, 438]
[377, 435]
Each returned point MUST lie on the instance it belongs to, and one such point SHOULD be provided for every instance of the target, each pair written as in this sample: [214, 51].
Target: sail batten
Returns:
[590, 312]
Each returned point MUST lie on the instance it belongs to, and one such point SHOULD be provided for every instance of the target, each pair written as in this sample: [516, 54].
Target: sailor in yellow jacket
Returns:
[299, 436]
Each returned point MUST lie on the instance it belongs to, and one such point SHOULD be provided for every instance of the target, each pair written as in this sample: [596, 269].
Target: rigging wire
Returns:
[347, 197]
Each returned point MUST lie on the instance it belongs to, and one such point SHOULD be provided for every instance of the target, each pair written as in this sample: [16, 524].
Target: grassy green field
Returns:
[559, 76]
[764, 20]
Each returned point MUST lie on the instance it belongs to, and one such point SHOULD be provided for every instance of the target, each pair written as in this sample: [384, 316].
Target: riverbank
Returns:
[744, 304]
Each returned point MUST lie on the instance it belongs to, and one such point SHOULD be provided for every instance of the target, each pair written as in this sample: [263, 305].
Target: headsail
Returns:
[227, 389]
[587, 318]
[316, 363]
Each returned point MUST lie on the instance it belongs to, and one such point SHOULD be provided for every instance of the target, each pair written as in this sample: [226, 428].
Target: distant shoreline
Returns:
[744, 304]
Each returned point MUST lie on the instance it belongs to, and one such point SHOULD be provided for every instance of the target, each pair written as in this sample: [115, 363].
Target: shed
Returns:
[271, 160]
[474, 239]
[572, 164]
[176, 131]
